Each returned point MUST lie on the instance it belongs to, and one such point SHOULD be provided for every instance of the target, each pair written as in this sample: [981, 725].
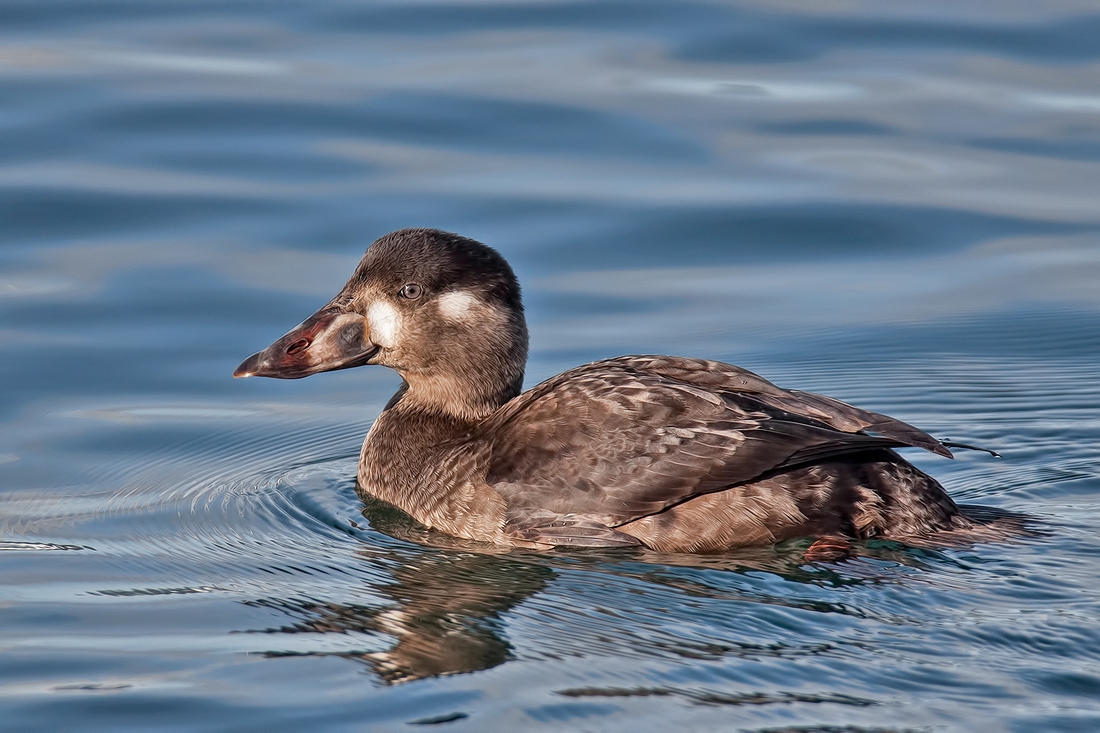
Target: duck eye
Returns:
[411, 291]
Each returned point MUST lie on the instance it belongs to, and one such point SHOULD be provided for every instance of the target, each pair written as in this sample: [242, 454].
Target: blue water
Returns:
[894, 204]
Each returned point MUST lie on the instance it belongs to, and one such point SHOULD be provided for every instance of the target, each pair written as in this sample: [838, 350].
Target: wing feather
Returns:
[613, 441]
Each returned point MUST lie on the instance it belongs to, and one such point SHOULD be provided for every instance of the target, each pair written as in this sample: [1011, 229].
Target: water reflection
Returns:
[447, 607]
[445, 614]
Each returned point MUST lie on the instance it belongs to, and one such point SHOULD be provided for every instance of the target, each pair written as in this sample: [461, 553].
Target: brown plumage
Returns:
[676, 454]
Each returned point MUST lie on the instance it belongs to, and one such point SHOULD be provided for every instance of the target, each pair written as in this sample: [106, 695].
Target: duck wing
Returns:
[613, 441]
[834, 413]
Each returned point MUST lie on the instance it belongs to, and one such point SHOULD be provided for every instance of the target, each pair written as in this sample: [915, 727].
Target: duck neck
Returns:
[456, 397]
[471, 377]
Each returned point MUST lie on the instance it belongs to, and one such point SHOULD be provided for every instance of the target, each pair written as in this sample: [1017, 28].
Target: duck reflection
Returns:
[446, 606]
[447, 600]
[447, 617]
[446, 614]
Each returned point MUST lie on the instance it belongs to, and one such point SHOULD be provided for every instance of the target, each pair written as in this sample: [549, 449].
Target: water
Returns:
[892, 204]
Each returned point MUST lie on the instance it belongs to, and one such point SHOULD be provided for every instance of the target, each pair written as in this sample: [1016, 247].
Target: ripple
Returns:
[10, 546]
[701, 697]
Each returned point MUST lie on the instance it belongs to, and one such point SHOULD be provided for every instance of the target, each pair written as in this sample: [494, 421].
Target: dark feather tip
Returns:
[964, 446]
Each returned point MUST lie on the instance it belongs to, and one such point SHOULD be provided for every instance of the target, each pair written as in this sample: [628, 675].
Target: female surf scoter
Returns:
[674, 454]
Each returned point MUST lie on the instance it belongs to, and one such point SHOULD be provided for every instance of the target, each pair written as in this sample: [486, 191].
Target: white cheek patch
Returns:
[385, 323]
[457, 305]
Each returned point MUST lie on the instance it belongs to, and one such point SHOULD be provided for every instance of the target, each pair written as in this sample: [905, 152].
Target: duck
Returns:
[667, 453]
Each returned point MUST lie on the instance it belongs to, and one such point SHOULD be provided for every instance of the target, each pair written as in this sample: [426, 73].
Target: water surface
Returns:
[896, 206]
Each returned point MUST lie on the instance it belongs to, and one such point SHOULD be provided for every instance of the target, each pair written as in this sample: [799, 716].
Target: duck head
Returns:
[442, 310]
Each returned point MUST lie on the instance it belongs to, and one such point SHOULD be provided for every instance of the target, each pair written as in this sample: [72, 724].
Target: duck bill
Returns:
[330, 339]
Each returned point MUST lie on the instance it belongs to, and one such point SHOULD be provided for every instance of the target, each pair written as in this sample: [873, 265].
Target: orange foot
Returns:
[829, 548]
